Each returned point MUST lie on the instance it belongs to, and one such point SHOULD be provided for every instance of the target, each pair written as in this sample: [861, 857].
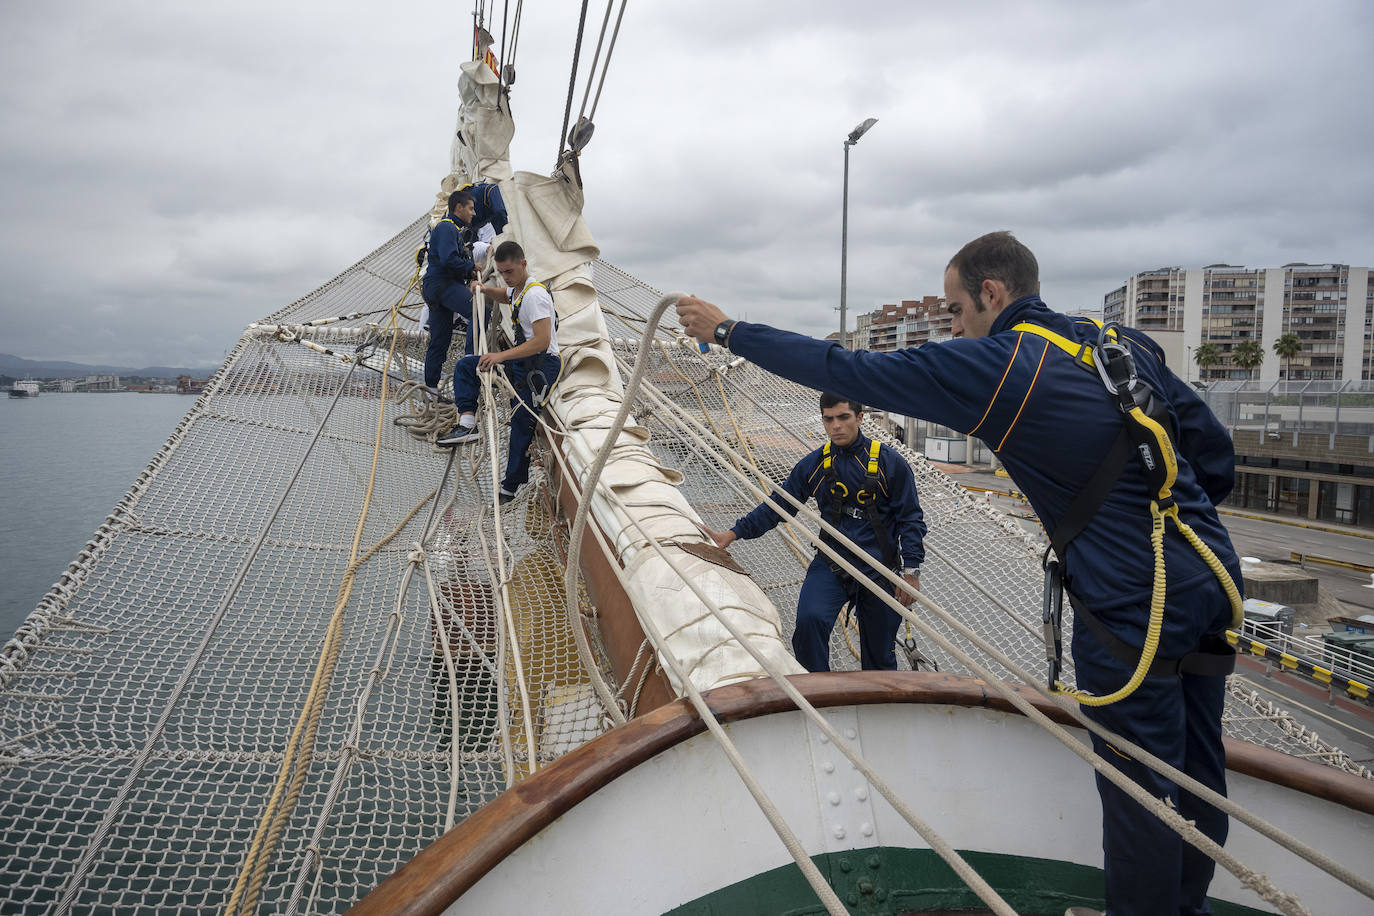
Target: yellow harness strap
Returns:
[1082, 353]
[515, 306]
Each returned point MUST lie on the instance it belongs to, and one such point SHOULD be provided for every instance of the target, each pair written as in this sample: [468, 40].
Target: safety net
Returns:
[307, 642]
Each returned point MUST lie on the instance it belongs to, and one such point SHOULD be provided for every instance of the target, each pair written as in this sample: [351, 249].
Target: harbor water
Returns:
[65, 461]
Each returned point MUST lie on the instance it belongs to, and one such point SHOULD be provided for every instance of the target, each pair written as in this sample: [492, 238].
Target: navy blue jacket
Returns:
[490, 206]
[450, 263]
[898, 506]
[1051, 423]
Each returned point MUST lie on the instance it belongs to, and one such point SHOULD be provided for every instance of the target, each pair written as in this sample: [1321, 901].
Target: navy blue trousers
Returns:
[443, 305]
[819, 605]
[1150, 870]
[523, 412]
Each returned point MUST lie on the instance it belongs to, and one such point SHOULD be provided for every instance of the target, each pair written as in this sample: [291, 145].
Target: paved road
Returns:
[1256, 538]
[1275, 541]
[1348, 725]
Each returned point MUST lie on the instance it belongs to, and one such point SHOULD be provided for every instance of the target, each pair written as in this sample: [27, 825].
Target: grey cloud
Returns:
[172, 172]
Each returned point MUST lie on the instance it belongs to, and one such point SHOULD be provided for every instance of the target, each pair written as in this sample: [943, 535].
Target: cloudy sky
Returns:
[171, 172]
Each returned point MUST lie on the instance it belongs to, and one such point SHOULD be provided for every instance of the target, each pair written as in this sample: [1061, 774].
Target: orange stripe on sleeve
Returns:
[1029, 389]
[1017, 349]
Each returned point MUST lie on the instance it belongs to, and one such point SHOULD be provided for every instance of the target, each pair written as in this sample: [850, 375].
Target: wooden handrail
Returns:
[444, 871]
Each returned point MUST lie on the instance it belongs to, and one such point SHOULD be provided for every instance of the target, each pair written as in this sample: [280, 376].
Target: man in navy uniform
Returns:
[868, 492]
[445, 287]
[1052, 423]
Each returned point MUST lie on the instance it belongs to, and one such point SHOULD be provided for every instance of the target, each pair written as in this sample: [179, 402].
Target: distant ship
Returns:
[26, 388]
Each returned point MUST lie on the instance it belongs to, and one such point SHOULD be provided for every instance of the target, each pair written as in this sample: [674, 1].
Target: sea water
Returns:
[65, 461]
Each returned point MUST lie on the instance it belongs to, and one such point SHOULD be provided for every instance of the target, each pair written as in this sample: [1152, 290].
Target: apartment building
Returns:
[1328, 306]
[908, 323]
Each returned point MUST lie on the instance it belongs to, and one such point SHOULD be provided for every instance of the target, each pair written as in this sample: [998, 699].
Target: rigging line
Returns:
[253, 872]
[596, 58]
[1289, 701]
[502, 597]
[808, 868]
[572, 79]
[591, 666]
[349, 750]
[1185, 782]
[87, 861]
[591, 485]
[607, 65]
[499, 678]
[934, 551]
[931, 549]
[1184, 828]
[515, 35]
[500, 65]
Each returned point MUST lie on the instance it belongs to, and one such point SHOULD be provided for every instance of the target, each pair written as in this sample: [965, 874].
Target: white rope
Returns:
[503, 591]
[1184, 781]
[824, 892]
[590, 486]
[84, 865]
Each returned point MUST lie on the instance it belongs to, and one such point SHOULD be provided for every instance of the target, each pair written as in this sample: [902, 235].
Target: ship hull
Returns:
[651, 818]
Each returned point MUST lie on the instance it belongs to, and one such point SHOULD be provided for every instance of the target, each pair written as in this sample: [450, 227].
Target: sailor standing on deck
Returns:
[532, 365]
[867, 491]
[1017, 377]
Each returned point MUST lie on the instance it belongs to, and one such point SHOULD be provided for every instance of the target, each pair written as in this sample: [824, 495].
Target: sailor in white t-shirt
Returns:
[532, 365]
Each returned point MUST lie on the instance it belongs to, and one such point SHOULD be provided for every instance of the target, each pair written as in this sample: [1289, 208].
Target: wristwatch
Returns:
[722, 334]
[911, 571]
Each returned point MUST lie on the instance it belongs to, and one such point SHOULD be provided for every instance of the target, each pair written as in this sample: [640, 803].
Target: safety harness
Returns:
[1146, 434]
[865, 506]
[540, 386]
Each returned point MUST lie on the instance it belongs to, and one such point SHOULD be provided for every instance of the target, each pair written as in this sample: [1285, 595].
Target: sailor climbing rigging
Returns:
[445, 287]
[867, 491]
[532, 365]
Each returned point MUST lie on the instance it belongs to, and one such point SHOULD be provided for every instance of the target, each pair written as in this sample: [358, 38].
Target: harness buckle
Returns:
[1052, 618]
[1115, 365]
[860, 497]
[914, 658]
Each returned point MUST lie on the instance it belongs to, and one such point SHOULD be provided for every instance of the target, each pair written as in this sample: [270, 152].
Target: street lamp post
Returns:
[853, 138]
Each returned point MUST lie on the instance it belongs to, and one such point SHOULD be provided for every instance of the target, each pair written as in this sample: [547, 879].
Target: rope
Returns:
[607, 66]
[313, 857]
[302, 741]
[596, 57]
[503, 594]
[572, 79]
[87, 861]
[1186, 829]
[823, 890]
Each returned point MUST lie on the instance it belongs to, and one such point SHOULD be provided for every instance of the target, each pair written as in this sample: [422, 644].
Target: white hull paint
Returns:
[682, 824]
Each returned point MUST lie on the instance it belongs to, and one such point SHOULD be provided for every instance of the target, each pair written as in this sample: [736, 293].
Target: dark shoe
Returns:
[504, 496]
[457, 436]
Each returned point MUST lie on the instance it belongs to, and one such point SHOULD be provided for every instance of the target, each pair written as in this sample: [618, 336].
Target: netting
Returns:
[302, 646]
[978, 562]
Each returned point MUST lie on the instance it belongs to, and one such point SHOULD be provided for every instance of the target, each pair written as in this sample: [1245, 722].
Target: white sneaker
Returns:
[1083, 911]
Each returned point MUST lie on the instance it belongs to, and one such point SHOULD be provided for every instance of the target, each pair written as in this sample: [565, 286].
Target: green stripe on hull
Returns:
[888, 881]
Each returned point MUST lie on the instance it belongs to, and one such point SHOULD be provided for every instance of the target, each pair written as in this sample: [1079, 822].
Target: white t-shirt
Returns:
[535, 303]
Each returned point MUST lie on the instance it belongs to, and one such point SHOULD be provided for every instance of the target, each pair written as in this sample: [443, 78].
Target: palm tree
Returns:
[1247, 355]
[1206, 355]
[1287, 347]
